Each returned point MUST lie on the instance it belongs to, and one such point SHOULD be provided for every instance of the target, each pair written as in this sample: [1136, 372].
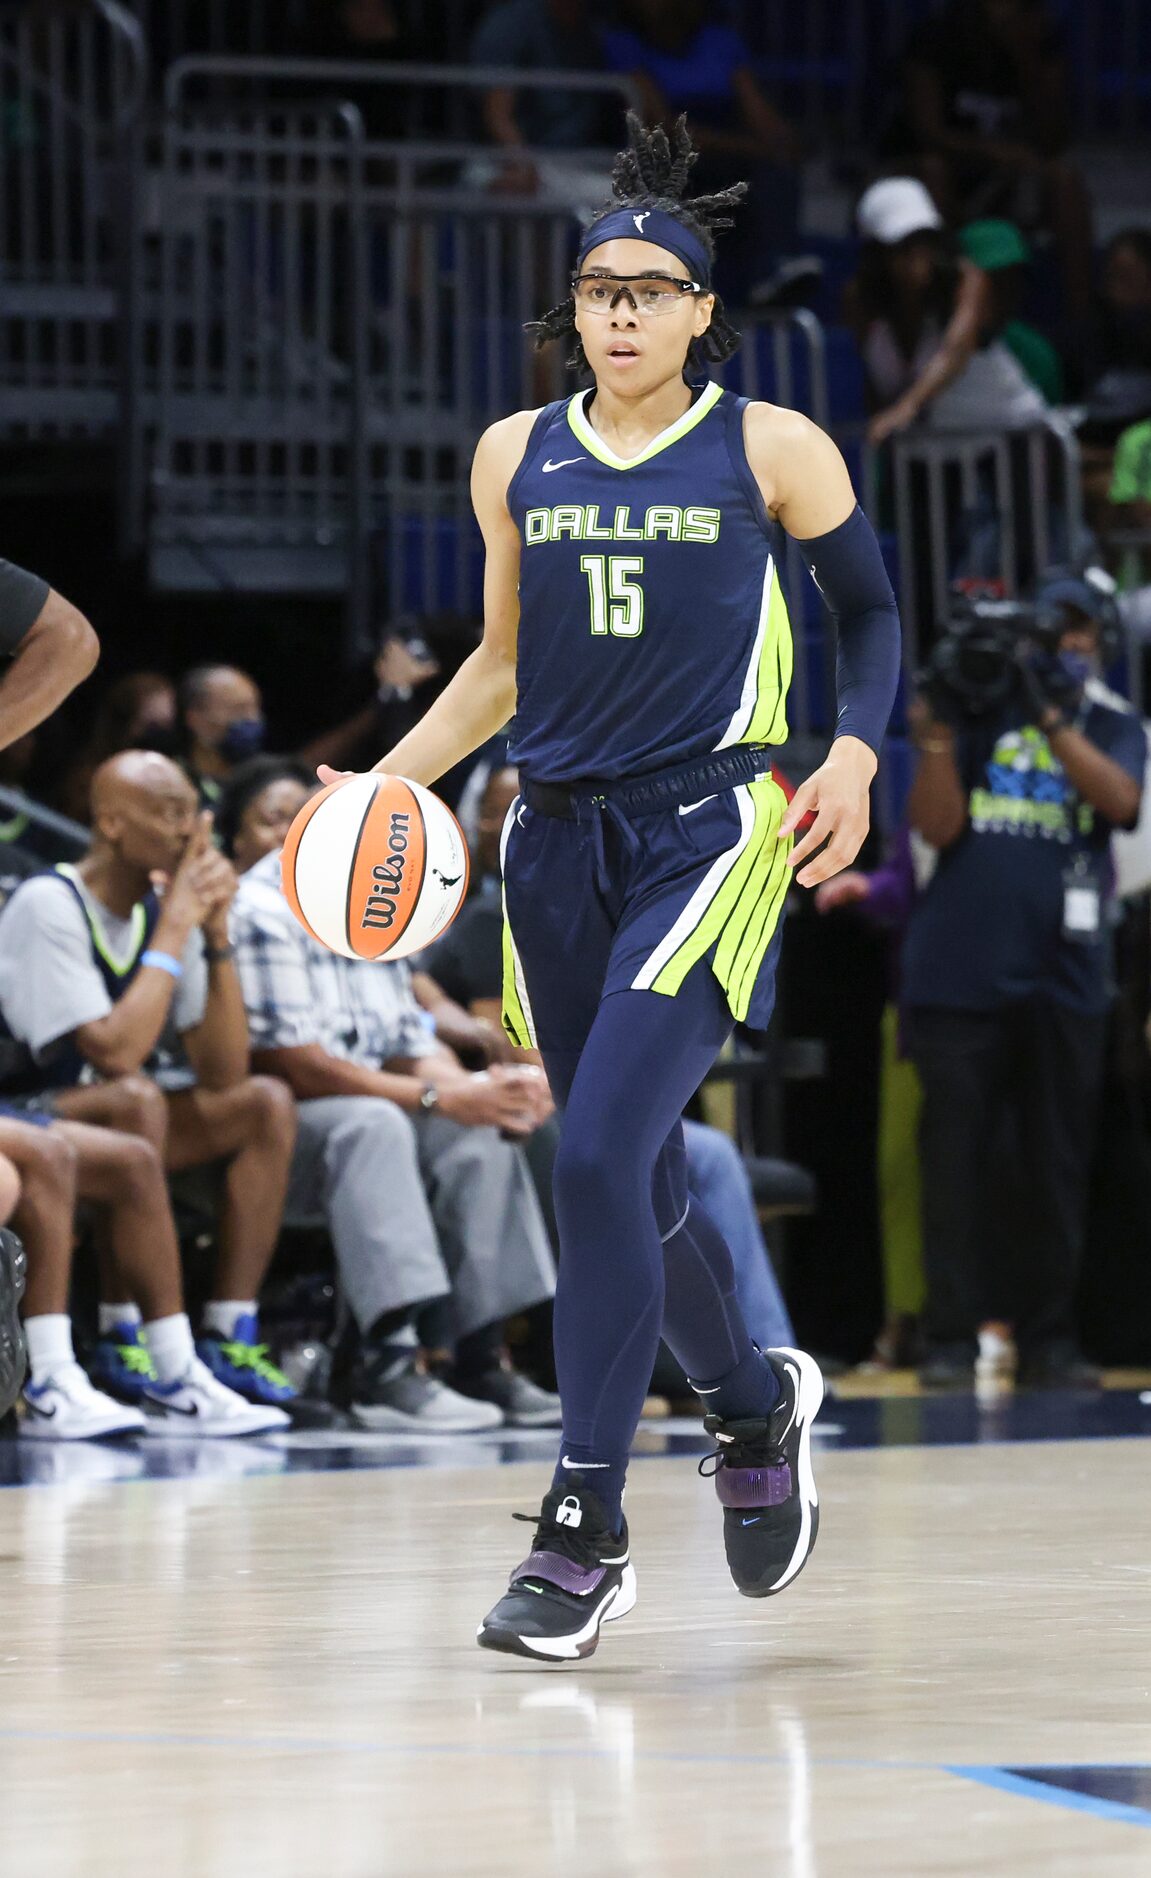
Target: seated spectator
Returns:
[681, 59]
[466, 965]
[923, 318]
[986, 121]
[538, 36]
[122, 1176]
[130, 1014]
[138, 712]
[1007, 983]
[375, 1091]
[221, 724]
[259, 805]
[999, 249]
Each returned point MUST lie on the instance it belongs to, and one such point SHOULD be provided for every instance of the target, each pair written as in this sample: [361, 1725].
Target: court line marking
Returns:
[1055, 1796]
[996, 1777]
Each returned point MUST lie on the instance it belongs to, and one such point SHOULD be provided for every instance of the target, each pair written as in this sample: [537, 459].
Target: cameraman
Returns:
[1007, 970]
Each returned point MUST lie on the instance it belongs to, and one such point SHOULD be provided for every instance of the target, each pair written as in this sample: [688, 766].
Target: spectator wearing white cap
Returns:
[923, 315]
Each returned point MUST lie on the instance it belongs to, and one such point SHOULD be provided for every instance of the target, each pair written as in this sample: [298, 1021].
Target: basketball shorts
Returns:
[629, 885]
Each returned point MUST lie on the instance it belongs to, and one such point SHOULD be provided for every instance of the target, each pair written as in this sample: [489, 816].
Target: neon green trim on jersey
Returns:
[741, 920]
[695, 414]
[769, 715]
[517, 1012]
[123, 966]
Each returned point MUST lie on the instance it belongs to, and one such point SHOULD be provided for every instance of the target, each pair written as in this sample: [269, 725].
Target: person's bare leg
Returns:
[253, 1127]
[131, 1105]
[46, 1167]
[125, 1175]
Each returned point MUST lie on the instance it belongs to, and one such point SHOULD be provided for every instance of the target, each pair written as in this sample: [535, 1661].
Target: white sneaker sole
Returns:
[34, 1428]
[581, 1643]
[809, 1397]
[163, 1424]
[378, 1418]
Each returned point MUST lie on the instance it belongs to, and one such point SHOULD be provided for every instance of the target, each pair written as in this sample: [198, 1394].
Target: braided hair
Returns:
[652, 173]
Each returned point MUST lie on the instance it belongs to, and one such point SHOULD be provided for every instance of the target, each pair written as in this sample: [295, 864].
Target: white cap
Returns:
[895, 207]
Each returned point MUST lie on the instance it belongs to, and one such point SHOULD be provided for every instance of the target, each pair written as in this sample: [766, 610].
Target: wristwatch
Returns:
[213, 954]
[430, 1098]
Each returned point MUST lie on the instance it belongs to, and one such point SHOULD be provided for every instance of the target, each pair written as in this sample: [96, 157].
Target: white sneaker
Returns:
[417, 1404]
[66, 1407]
[196, 1405]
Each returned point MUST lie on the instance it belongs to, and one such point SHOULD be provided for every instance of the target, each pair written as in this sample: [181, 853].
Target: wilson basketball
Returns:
[375, 867]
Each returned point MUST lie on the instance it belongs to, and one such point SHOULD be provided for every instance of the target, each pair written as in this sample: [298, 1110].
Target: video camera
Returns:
[989, 648]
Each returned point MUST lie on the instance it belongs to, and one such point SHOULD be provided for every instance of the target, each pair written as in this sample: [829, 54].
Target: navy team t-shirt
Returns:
[988, 931]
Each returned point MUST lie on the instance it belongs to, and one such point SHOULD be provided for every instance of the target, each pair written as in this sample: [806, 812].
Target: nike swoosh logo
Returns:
[689, 808]
[538, 1589]
[173, 1408]
[583, 1467]
[563, 464]
[46, 1415]
[753, 1521]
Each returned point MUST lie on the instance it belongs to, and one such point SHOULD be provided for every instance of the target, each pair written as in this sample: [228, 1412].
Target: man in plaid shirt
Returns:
[413, 1161]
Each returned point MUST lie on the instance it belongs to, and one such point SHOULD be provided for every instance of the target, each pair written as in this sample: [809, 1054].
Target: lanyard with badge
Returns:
[1082, 897]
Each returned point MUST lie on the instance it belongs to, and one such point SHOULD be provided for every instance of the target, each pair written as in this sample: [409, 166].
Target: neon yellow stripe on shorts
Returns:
[517, 1011]
[745, 907]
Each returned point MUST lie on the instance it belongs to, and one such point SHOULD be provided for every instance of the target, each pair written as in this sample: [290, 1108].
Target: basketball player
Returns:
[51, 649]
[636, 626]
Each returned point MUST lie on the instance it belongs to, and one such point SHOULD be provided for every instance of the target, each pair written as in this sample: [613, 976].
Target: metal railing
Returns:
[425, 93]
[990, 507]
[72, 82]
[251, 395]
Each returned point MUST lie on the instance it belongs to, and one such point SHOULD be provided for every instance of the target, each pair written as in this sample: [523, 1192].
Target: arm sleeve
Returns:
[848, 569]
[22, 597]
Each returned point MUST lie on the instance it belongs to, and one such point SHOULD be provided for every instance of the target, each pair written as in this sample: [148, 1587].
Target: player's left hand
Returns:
[838, 795]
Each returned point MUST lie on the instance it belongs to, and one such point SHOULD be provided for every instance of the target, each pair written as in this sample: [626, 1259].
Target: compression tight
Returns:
[637, 1260]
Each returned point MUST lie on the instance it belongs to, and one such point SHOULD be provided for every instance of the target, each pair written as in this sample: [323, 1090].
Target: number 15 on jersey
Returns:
[616, 599]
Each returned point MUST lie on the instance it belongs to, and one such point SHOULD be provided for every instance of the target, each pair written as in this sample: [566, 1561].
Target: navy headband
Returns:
[656, 226]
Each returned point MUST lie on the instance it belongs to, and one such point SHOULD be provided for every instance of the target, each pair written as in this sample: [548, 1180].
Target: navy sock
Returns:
[750, 1389]
[604, 1479]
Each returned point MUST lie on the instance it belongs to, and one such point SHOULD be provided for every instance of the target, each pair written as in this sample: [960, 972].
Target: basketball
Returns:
[375, 867]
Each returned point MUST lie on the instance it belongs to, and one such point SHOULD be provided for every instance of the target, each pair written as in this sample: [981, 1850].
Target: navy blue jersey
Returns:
[653, 624]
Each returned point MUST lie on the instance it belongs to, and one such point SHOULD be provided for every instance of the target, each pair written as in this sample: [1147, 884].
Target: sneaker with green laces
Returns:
[121, 1367]
[242, 1364]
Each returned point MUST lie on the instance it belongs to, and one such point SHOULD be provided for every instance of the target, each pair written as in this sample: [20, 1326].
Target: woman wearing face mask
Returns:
[221, 717]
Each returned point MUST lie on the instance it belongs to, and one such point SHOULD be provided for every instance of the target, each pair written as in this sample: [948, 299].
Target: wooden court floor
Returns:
[276, 1676]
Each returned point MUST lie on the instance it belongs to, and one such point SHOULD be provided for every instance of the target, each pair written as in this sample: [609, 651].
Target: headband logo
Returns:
[639, 220]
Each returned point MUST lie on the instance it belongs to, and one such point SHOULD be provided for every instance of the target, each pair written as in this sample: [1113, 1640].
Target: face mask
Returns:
[1078, 667]
[244, 737]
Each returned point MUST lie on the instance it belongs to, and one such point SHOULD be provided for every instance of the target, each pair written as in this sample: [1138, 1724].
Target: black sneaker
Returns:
[765, 1481]
[576, 1577]
[13, 1271]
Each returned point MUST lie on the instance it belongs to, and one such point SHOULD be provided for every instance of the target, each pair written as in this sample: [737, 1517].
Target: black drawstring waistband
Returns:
[643, 795]
[646, 795]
